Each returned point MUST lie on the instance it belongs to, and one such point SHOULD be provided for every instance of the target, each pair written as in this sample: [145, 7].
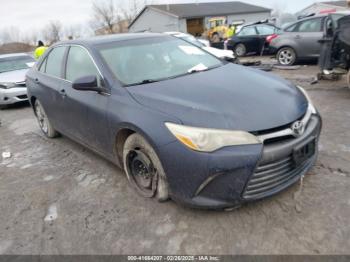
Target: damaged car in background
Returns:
[335, 54]
[13, 68]
[182, 123]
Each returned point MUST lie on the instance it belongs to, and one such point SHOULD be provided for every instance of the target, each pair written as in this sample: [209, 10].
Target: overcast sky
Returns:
[32, 15]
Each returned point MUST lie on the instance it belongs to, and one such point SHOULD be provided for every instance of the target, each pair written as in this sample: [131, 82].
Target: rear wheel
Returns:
[240, 50]
[286, 56]
[43, 121]
[144, 169]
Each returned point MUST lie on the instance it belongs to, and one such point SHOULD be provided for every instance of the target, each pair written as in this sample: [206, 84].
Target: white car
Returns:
[13, 69]
[222, 54]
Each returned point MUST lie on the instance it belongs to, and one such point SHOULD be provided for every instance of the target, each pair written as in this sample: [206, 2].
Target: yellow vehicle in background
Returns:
[218, 28]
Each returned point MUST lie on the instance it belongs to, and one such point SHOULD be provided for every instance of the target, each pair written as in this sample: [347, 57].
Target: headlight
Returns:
[311, 107]
[209, 140]
[7, 85]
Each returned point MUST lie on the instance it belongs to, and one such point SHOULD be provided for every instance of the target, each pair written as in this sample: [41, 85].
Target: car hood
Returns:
[16, 76]
[219, 52]
[228, 97]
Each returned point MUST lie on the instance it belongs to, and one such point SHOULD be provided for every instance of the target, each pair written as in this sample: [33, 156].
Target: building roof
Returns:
[205, 9]
[336, 3]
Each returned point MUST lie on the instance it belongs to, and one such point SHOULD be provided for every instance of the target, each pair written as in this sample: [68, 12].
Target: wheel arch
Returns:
[122, 134]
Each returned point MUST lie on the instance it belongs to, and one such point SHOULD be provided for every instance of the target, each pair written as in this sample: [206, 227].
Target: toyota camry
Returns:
[183, 124]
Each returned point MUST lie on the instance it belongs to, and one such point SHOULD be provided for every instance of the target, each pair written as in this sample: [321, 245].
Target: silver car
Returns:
[302, 39]
[13, 68]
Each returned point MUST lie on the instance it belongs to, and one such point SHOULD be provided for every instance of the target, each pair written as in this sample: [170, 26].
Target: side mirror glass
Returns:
[86, 83]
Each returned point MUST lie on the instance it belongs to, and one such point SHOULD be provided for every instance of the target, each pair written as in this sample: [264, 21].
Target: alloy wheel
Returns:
[42, 119]
[286, 57]
[240, 50]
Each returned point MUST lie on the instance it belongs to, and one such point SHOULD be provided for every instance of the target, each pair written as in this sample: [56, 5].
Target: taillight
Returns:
[270, 38]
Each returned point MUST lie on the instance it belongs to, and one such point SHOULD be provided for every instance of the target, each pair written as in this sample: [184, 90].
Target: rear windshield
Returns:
[15, 63]
[153, 59]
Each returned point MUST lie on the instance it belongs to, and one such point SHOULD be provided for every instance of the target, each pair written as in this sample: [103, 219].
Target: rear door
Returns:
[85, 110]
[264, 31]
[49, 82]
[250, 38]
[308, 34]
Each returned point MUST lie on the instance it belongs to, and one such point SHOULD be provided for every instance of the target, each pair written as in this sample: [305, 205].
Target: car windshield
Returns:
[141, 61]
[15, 63]
[192, 40]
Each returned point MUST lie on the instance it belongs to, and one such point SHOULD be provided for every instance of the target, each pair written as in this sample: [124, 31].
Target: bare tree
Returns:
[73, 31]
[53, 32]
[105, 15]
[133, 10]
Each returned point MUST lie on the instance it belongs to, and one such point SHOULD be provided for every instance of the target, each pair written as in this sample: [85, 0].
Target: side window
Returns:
[312, 25]
[292, 28]
[265, 30]
[247, 31]
[42, 68]
[79, 64]
[54, 62]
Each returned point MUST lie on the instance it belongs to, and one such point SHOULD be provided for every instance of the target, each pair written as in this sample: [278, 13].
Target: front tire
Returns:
[286, 56]
[43, 121]
[240, 50]
[144, 169]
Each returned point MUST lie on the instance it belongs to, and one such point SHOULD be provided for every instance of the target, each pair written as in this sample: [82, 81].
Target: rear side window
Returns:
[79, 64]
[247, 31]
[265, 30]
[312, 25]
[54, 62]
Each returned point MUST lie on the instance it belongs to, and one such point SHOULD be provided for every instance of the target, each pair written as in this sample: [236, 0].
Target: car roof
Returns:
[14, 55]
[105, 39]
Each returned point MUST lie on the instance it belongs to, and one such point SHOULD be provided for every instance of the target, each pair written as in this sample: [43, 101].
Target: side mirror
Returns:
[86, 83]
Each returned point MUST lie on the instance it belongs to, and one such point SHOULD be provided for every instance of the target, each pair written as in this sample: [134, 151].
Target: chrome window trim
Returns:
[288, 131]
[69, 45]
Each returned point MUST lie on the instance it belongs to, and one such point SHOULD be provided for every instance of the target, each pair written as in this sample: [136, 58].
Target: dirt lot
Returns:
[58, 198]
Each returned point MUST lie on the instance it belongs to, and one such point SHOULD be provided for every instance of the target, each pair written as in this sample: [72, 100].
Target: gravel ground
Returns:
[56, 197]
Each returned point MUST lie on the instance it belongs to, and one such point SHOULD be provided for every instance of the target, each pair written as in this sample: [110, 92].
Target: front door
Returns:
[85, 111]
[308, 35]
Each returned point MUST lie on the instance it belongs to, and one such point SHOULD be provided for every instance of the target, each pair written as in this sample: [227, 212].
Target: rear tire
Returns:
[286, 56]
[144, 169]
[43, 121]
[240, 50]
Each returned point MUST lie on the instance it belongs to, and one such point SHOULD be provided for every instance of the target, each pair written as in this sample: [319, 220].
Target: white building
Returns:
[325, 7]
[194, 18]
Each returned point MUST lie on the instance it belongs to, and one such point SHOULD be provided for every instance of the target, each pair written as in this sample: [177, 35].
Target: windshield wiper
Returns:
[143, 82]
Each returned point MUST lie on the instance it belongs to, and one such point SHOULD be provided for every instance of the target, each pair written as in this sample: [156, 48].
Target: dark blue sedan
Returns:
[183, 124]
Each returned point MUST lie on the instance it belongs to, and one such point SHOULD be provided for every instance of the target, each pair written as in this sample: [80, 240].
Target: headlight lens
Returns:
[7, 85]
[311, 107]
[209, 140]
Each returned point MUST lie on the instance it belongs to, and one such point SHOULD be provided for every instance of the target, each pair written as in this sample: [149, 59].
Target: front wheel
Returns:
[144, 169]
[286, 56]
[240, 50]
[43, 121]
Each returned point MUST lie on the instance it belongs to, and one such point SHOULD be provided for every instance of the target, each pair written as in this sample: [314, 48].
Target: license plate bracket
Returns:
[304, 151]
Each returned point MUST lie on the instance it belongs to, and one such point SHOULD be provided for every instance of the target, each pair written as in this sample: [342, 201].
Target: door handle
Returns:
[63, 93]
[297, 37]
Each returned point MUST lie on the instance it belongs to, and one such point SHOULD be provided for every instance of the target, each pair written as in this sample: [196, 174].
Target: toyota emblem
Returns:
[298, 128]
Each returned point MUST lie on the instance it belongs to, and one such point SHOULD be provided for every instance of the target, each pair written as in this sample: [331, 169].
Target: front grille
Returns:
[273, 177]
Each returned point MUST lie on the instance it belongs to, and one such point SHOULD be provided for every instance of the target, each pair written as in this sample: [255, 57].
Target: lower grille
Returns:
[22, 97]
[272, 177]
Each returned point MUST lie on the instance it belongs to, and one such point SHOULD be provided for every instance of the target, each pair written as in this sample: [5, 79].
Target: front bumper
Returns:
[235, 175]
[13, 95]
